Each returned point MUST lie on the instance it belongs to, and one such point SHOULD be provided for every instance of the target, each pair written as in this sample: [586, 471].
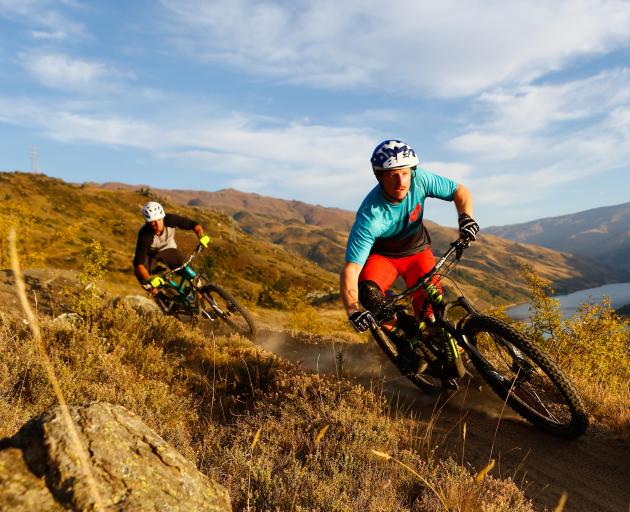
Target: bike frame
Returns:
[187, 274]
[390, 304]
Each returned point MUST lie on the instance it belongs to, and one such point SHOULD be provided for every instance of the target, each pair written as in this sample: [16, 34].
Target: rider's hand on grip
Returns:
[155, 281]
[468, 228]
[204, 240]
[361, 321]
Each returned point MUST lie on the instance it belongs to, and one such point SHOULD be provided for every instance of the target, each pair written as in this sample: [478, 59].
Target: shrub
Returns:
[591, 346]
[88, 300]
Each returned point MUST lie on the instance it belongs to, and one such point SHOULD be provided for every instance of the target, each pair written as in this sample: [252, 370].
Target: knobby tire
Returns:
[232, 313]
[565, 417]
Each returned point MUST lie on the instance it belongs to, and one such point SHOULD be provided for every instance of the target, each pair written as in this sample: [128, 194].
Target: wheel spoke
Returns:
[523, 379]
[224, 312]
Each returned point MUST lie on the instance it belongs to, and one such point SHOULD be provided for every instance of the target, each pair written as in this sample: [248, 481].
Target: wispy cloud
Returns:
[59, 71]
[434, 45]
[289, 159]
[44, 18]
[534, 138]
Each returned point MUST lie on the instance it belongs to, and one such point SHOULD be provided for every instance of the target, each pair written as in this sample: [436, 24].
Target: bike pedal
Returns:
[450, 384]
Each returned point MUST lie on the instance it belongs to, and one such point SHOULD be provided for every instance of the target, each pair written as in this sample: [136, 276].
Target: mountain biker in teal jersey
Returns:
[388, 239]
[156, 244]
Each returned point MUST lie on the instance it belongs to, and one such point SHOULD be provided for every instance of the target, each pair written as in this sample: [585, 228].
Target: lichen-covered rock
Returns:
[68, 319]
[141, 304]
[20, 489]
[134, 468]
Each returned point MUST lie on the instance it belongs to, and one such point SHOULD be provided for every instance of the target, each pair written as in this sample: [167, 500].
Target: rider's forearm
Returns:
[463, 200]
[349, 287]
[198, 230]
[142, 272]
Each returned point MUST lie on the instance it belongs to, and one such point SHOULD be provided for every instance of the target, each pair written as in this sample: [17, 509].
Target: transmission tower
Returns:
[34, 162]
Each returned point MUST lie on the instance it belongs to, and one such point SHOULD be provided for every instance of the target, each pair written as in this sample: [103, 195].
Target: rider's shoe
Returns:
[411, 360]
[408, 337]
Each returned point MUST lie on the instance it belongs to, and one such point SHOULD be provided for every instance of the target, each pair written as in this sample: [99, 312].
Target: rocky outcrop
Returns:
[134, 468]
[141, 304]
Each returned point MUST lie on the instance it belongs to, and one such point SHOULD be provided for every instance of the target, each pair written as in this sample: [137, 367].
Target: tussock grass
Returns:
[275, 437]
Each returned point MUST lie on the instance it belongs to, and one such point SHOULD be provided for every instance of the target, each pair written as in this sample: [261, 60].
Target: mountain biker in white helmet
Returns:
[388, 239]
[156, 244]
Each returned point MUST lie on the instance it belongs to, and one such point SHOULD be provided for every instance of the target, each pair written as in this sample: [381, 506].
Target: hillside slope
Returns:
[489, 270]
[56, 220]
[601, 233]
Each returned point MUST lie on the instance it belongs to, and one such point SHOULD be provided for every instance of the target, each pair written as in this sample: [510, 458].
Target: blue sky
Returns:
[527, 103]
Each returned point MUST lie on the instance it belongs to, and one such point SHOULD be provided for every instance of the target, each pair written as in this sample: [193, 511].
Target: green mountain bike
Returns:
[190, 296]
[515, 367]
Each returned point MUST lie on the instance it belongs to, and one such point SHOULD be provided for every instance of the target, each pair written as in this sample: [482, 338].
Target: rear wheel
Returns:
[424, 381]
[219, 308]
[519, 371]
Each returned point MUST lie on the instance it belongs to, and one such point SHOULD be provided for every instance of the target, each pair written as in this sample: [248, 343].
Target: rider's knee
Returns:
[370, 295]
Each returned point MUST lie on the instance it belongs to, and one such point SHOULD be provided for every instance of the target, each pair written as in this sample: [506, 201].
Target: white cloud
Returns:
[448, 48]
[44, 17]
[457, 171]
[64, 72]
[534, 139]
[298, 160]
[68, 73]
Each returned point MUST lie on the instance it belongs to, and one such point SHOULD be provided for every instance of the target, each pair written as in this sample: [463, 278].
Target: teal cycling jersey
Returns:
[396, 229]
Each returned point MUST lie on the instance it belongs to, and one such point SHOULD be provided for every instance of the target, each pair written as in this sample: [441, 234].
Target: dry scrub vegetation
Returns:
[592, 346]
[278, 439]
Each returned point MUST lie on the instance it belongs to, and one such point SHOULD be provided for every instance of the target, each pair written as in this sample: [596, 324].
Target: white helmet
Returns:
[393, 154]
[153, 211]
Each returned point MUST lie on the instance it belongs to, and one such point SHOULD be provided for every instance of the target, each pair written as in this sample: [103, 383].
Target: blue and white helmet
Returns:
[393, 154]
[153, 211]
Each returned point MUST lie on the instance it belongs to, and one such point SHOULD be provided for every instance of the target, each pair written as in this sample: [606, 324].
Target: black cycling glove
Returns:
[468, 228]
[361, 321]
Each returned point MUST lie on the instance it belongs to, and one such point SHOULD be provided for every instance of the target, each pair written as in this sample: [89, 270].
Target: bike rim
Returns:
[524, 380]
[223, 315]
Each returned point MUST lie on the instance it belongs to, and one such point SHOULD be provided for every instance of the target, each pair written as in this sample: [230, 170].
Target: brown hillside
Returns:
[488, 271]
[56, 220]
[231, 201]
[599, 233]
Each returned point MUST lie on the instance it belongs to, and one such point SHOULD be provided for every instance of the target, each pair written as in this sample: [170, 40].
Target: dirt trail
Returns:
[594, 471]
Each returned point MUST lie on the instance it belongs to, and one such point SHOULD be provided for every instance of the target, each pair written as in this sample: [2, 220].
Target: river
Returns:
[619, 294]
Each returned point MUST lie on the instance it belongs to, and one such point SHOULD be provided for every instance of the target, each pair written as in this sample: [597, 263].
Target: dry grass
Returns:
[275, 437]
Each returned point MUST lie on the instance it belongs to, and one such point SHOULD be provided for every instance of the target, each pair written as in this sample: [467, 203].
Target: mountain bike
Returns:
[515, 367]
[189, 295]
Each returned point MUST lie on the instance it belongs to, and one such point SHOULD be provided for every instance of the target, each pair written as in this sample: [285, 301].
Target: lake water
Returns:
[619, 294]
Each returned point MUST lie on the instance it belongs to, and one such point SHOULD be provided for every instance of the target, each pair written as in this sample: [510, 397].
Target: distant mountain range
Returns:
[489, 270]
[602, 234]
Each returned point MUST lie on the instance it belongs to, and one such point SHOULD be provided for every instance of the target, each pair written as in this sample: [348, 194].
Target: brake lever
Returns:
[460, 245]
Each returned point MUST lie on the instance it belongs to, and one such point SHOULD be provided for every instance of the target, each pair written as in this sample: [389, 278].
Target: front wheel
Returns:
[220, 308]
[424, 381]
[519, 371]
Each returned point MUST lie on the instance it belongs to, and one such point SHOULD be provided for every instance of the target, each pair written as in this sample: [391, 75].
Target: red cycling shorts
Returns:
[383, 270]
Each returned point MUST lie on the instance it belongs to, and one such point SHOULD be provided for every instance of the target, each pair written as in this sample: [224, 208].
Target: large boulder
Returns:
[134, 468]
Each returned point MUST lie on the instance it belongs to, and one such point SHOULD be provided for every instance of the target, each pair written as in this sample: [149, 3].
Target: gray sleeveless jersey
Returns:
[164, 241]
[149, 243]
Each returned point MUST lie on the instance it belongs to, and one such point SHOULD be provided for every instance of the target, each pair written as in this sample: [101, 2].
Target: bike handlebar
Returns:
[456, 247]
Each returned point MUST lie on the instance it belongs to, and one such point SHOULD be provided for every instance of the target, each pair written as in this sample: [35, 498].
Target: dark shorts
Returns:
[170, 258]
[163, 260]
